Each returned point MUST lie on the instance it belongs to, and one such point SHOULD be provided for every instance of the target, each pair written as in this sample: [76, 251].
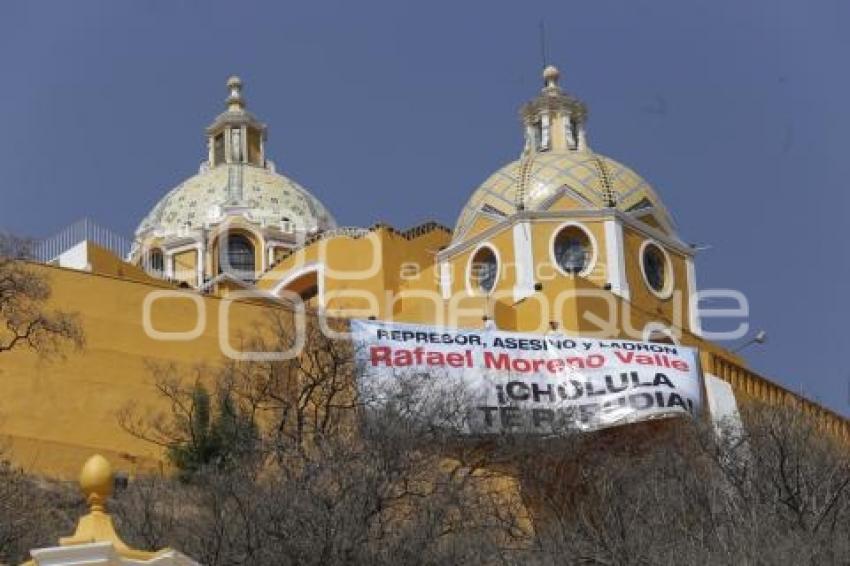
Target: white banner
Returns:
[487, 381]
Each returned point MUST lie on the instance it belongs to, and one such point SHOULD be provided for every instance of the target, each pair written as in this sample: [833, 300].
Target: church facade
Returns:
[562, 239]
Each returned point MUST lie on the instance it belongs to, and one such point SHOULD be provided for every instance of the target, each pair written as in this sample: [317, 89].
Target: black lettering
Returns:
[539, 416]
[511, 388]
[510, 417]
[488, 414]
[660, 379]
[536, 392]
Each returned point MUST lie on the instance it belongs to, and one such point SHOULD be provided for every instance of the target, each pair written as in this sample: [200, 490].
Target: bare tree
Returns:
[25, 319]
[33, 513]
[330, 478]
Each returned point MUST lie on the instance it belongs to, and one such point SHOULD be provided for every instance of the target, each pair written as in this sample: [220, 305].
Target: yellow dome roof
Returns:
[557, 161]
[538, 180]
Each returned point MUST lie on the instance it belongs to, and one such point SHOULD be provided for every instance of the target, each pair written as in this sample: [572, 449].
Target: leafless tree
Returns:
[33, 513]
[330, 478]
[25, 319]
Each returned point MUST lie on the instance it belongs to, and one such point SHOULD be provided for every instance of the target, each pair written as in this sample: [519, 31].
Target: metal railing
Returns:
[49, 249]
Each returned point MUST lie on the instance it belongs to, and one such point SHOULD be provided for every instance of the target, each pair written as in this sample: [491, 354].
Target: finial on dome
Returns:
[235, 102]
[551, 74]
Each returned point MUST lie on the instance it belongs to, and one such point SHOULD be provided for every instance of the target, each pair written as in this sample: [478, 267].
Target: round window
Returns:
[573, 250]
[654, 264]
[484, 270]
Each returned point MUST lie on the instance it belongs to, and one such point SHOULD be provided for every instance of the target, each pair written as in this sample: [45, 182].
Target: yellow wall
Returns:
[186, 267]
[640, 293]
[57, 412]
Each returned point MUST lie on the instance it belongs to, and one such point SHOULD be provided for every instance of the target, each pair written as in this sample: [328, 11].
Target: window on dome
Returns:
[545, 130]
[484, 270]
[236, 257]
[574, 135]
[654, 267]
[573, 250]
[218, 149]
[255, 154]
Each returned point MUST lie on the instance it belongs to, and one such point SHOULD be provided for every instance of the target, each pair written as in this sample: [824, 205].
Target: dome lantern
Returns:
[236, 136]
[236, 190]
[554, 120]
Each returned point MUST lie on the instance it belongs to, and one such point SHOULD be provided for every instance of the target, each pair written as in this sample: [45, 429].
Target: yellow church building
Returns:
[561, 239]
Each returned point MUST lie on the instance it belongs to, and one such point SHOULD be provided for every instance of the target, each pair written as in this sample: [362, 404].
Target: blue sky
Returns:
[736, 112]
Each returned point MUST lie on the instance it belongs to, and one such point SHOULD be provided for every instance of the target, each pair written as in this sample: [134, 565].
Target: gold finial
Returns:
[234, 100]
[551, 74]
[96, 481]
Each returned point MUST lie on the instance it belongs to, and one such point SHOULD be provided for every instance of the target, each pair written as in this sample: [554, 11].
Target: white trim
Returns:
[656, 327]
[694, 324]
[591, 264]
[459, 245]
[168, 260]
[307, 268]
[565, 190]
[103, 552]
[615, 258]
[446, 280]
[183, 248]
[199, 263]
[669, 276]
[523, 260]
[475, 292]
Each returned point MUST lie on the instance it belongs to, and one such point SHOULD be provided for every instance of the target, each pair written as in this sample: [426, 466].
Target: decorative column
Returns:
[524, 260]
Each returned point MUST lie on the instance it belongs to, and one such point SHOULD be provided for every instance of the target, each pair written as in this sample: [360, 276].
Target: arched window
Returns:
[236, 256]
[155, 263]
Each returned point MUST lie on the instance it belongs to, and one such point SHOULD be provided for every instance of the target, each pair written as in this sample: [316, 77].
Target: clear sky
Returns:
[736, 112]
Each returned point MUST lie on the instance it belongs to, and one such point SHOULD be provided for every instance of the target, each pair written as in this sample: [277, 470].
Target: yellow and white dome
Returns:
[236, 216]
[236, 180]
[258, 194]
[556, 162]
[535, 182]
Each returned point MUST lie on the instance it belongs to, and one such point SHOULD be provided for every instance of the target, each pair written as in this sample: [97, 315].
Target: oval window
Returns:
[484, 270]
[654, 264]
[573, 250]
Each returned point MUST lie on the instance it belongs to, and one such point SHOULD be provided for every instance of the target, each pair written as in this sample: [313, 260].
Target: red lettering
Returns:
[503, 361]
[381, 355]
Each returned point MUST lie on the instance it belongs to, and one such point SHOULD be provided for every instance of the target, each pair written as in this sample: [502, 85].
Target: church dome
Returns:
[257, 193]
[533, 183]
[236, 180]
[556, 161]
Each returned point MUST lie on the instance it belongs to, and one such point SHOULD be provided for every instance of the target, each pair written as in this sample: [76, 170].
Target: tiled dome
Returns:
[258, 193]
[596, 180]
[236, 180]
